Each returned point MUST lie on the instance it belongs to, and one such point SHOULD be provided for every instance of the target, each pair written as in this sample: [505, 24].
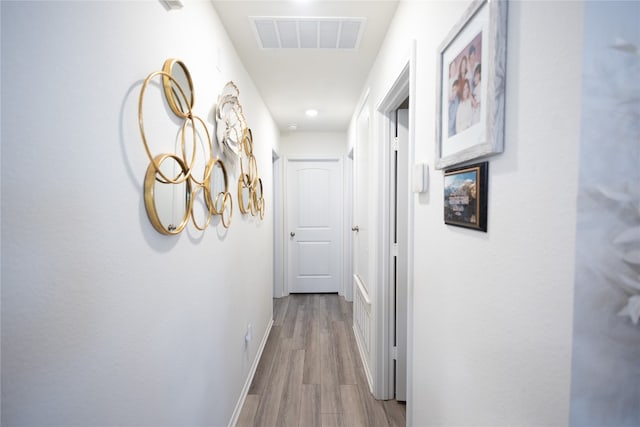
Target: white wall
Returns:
[313, 144]
[492, 313]
[105, 321]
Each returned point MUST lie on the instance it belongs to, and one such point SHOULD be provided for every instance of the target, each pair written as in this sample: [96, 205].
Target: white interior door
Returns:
[361, 189]
[314, 219]
[362, 262]
[347, 285]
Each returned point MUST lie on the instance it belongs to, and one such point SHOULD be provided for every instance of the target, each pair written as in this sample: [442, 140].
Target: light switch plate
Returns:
[420, 178]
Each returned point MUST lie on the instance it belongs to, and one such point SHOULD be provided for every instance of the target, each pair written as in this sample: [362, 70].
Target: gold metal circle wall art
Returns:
[208, 215]
[170, 192]
[244, 194]
[207, 146]
[142, 133]
[257, 199]
[251, 184]
[218, 184]
[253, 170]
[250, 196]
[180, 78]
[168, 219]
[247, 142]
[227, 208]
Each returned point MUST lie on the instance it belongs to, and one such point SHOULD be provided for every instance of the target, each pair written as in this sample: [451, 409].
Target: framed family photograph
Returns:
[465, 196]
[470, 86]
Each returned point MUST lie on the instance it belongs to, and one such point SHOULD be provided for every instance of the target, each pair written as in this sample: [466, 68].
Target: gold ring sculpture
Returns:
[181, 104]
[149, 195]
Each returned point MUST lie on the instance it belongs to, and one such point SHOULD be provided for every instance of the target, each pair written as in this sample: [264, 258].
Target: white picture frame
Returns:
[471, 72]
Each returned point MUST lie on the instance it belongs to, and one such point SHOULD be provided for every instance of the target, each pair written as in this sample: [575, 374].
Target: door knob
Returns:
[355, 228]
[292, 234]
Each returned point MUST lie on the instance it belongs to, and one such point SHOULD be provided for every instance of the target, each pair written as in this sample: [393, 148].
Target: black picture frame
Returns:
[461, 184]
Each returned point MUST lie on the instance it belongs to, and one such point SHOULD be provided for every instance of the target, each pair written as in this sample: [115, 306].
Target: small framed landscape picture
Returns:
[470, 86]
[465, 196]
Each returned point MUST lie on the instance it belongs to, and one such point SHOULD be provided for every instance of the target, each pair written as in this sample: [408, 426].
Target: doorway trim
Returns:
[347, 281]
[403, 87]
[278, 262]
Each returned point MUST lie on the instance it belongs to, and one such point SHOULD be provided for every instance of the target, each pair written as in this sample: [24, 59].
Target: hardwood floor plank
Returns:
[323, 313]
[269, 407]
[346, 308]
[345, 360]
[249, 409]
[315, 302]
[329, 375]
[333, 307]
[310, 406]
[279, 310]
[352, 408]
[328, 360]
[361, 376]
[332, 420]
[312, 363]
[396, 413]
[263, 372]
[289, 323]
[330, 398]
[289, 413]
[373, 409]
[300, 328]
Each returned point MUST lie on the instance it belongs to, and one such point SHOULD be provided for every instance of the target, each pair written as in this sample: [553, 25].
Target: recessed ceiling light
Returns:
[292, 126]
[311, 113]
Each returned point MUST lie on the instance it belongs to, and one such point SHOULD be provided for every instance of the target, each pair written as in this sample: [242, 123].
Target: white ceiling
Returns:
[293, 80]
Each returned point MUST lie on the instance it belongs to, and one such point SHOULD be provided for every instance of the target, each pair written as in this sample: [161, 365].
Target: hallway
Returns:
[310, 373]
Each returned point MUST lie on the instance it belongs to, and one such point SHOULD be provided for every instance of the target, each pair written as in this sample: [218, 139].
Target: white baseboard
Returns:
[252, 372]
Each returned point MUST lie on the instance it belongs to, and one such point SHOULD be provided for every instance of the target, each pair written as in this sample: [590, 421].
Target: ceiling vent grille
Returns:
[172, 4]
[308, 33]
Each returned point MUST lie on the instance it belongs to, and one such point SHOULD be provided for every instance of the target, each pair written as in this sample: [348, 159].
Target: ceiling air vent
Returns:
[308, 33]
[172, 4]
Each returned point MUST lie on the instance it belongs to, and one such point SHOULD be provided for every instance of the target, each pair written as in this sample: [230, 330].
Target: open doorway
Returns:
[394, 361]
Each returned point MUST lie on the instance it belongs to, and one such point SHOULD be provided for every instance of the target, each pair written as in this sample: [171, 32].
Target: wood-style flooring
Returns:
[310, 373]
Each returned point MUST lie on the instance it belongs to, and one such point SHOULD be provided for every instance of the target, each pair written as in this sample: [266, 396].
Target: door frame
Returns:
[285, 220]
[403, 87]
[347, 281]
[278, 224]
[399, 185]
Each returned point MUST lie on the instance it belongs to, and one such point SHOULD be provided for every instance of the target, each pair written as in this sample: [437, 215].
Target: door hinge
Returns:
[394, 353]
[394, 250]
[395, 144]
